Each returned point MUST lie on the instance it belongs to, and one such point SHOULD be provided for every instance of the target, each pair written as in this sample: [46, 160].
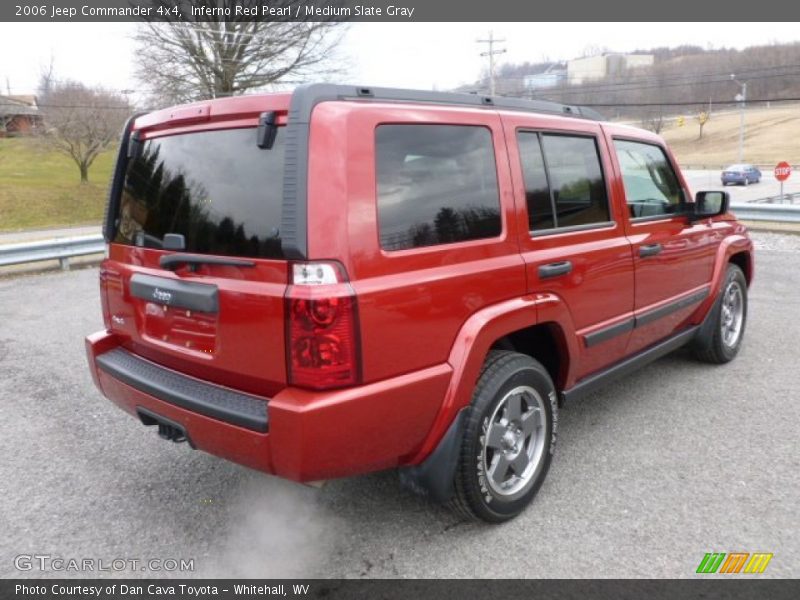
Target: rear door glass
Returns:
[564, 184]
[216, 188]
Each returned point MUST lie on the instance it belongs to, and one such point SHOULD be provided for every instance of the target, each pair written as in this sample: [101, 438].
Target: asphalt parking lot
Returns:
[650, 473]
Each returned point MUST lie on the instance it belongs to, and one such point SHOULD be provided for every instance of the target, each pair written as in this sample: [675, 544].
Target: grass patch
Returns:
[41, 188]
[771, 135]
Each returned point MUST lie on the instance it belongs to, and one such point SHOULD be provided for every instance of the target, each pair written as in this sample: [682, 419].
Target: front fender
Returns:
[730, 245]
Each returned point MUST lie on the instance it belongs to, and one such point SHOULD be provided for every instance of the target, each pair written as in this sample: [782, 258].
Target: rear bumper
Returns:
[299, 434]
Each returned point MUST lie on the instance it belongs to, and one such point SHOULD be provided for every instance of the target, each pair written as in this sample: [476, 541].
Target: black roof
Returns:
[305, 97]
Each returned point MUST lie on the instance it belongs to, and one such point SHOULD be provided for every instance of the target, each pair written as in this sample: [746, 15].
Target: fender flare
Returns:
[472, 344]
[730, 245]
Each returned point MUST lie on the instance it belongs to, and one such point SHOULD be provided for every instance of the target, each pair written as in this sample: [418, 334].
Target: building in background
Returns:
[19, 115]
[554, 75]
[581, 70]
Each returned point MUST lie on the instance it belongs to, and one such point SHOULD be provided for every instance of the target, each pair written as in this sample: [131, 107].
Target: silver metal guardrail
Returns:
[785, 213]
[787, 198]
[61, 249]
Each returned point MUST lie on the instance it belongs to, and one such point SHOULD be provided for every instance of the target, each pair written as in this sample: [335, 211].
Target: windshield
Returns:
[216, 188]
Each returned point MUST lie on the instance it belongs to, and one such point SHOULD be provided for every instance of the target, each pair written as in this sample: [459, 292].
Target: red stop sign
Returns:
[782, 171]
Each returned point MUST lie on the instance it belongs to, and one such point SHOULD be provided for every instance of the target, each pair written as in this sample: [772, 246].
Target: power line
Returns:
[601, 85]
[694, 103]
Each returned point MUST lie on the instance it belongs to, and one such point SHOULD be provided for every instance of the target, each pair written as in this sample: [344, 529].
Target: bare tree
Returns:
[185, 60]
[81, 122]
[702, 119]
[654, 121]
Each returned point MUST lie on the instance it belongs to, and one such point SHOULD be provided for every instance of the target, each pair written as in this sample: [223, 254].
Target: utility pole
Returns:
[742, 99]
[491, 53]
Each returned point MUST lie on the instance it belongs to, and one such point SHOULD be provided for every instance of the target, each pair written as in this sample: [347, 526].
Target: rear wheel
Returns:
[508, 440]
[720, 338]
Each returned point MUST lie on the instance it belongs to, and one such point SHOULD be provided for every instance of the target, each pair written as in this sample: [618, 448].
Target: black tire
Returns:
[504, 372]
[711, 344]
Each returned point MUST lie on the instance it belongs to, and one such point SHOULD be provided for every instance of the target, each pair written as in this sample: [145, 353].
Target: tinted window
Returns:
[651, 187]
[216, 188]
[537, 191]
[576, 179]
[437, 184]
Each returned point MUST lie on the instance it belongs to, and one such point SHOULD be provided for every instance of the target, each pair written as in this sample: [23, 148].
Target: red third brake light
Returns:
[321, 337]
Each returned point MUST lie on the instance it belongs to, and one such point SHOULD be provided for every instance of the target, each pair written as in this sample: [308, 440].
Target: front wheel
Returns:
[720, 338]
[509, 438]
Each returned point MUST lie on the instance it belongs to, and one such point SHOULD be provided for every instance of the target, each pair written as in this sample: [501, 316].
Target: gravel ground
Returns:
[776, 242]
[652, 472]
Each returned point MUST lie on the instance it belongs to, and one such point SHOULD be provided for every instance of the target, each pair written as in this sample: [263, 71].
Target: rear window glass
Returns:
[217, 188]
[437, 184]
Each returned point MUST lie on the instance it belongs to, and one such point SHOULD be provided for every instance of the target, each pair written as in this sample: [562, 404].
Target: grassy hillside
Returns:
[771, 135]
[41, 188]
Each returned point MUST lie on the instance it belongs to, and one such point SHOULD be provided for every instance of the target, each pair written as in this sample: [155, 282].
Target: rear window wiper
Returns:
[172, 262]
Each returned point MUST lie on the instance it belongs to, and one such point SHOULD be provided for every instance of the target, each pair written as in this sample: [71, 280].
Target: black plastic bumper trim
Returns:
[174, 292]
[607, 333]
[186, 392]
[663, 311]
[628, 365]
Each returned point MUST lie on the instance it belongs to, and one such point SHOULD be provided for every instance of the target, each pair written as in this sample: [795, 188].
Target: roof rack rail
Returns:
[305, 97]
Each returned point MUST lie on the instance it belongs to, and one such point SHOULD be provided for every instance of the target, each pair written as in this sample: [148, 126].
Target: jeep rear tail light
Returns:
[322, 346]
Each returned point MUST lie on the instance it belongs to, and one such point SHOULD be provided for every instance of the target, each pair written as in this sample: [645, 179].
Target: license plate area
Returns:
[177, 313]
[180, 327]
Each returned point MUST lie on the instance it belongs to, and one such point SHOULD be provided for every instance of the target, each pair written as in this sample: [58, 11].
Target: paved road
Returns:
[32, 235]
[768, 186]
[651, 473]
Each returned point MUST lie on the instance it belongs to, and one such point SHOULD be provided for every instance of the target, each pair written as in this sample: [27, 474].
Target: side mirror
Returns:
[710, 204]
[174, 241]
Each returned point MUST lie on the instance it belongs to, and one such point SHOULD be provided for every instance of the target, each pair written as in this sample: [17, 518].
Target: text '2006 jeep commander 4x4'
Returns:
[338, 280]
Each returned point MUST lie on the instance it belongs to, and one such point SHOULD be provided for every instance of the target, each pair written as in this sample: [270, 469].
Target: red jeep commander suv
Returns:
[338, 280]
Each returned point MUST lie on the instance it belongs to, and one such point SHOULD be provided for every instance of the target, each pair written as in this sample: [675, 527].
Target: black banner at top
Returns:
[395, 10]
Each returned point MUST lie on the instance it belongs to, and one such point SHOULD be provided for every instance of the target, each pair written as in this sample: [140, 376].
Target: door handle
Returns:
[555, 269]
[649, 250]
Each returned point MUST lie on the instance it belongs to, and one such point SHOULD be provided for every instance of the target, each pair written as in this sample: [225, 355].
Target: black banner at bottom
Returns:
[731, 588]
